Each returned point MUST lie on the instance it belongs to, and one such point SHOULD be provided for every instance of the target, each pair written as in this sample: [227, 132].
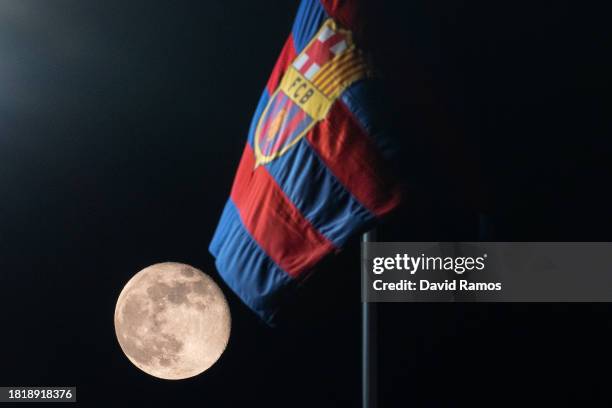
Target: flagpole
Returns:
[368, 337]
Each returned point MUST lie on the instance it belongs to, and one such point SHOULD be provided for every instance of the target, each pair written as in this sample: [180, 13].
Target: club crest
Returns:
[314, 80]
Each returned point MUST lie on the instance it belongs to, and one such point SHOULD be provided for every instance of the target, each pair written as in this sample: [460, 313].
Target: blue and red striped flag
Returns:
[312, 173]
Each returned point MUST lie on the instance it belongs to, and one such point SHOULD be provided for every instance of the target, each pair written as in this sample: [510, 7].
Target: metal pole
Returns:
[368, 337]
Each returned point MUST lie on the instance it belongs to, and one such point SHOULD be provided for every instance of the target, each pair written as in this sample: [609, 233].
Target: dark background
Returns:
[121, 125]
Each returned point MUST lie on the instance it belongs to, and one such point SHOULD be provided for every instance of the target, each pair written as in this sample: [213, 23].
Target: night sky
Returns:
[122, 123]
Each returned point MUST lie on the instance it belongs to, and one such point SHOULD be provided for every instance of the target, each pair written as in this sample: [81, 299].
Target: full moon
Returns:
[172, 321]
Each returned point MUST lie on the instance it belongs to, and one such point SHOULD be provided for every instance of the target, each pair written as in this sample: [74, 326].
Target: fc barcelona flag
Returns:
[313, 171]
